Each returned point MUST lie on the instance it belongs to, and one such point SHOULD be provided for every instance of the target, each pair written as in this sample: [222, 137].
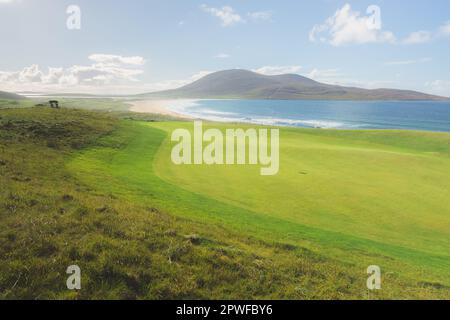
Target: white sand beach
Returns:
[163, 107]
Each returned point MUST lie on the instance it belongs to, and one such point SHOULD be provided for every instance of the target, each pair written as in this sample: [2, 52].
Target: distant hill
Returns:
[243, 84]
[10, 96]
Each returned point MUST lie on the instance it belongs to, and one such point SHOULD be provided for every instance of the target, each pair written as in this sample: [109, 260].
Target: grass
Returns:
[230, 203]
[95, 104]
[8, 104]
[92, 189]
[387, 187]
[381, 192]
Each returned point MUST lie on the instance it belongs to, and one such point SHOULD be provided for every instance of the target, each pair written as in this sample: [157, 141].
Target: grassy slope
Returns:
[130, 249]
[136, 249]
[108, 105]
[389, 187]
[382, 192]
[5, 103]
[127, 170]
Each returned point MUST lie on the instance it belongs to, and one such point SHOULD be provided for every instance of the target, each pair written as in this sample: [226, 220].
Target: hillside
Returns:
[243, 84]
[10, 96]
[128, 248]
[136, 236]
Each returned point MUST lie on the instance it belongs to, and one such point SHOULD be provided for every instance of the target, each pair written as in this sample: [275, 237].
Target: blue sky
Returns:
[144, 45]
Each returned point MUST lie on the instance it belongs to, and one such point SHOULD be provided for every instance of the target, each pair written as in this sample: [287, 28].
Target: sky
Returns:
[126, 47]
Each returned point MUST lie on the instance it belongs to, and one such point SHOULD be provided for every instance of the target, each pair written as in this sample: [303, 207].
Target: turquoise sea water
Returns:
[412, 115]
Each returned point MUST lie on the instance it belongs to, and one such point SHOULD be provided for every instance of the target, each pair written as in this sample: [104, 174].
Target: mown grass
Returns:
[389, 187]
[379, 192]
[129, 171]
[72, 192]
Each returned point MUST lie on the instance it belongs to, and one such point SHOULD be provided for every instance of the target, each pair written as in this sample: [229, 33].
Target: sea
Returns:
[406, 115]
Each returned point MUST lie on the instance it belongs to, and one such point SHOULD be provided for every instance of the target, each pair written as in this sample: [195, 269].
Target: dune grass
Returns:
[90, 189]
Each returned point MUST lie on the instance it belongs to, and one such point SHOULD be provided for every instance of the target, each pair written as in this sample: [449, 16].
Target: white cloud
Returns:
[445, 29]
[439, 87]
[277, 70]
[110, 59]
[169, 84]
[226, 14]
[337, 77]
[330, 76]
[198, 76]
[407, 62]
[418, 37]
[230, 17]
[98, 78]
[349, 27]
[222, 56]
[8, 1]
[424, 36]
[260, 16]
[106, 70]
[321, 75]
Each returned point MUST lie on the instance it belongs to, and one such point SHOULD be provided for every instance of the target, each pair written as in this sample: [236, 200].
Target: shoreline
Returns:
[161, 107]
[174, 108]
[165, 108]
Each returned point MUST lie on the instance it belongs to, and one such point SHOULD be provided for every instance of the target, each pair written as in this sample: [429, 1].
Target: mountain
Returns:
[243, 84]
[10, 96]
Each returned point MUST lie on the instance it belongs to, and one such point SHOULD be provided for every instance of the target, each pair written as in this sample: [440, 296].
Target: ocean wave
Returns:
[194, 109]
[322, 114]
[271, 121]
[215, 112]
[181, 106]
[297, 122]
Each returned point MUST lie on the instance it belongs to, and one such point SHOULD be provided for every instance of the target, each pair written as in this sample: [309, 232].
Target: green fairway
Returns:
[365, 197]
[356, 183]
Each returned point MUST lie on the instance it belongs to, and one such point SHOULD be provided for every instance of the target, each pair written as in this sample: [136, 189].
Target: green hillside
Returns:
[349, 206]
[107, 198]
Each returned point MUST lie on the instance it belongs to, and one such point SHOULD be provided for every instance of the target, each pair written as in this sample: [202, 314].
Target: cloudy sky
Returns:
[144, 45]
